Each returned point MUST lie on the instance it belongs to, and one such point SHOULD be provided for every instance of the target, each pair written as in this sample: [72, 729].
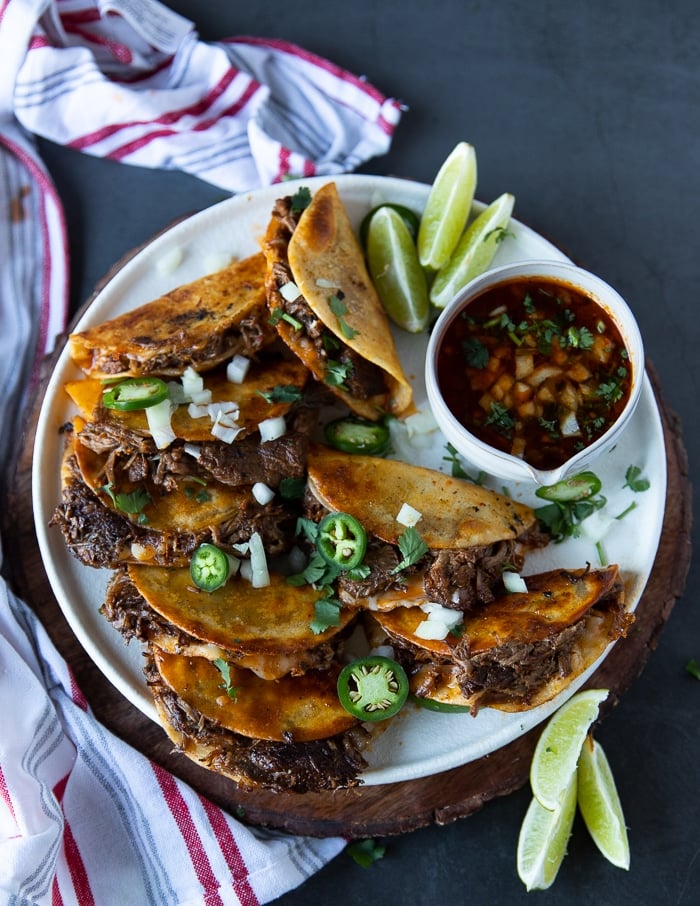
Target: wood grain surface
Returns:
[373, 810]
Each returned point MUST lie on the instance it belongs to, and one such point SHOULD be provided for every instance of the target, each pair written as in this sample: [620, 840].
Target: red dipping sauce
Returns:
[535, 368]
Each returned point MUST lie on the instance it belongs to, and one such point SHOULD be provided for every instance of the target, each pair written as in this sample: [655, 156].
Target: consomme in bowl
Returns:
[533, 368]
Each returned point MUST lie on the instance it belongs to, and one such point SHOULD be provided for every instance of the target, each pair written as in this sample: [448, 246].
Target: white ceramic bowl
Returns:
[494, 461]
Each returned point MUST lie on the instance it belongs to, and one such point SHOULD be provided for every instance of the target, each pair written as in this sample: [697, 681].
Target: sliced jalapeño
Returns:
[373, 688]
[135, 393]
[341, 540]
[209, 567]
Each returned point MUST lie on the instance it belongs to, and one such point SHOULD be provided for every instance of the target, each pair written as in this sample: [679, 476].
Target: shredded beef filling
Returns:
[466, 579]
[101, 537]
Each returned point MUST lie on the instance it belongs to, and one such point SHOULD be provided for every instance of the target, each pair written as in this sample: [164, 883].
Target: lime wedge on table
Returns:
[474, 252]
[558, 748]
[447, 207]
[543, 837]
[396, 272]
[600, 805]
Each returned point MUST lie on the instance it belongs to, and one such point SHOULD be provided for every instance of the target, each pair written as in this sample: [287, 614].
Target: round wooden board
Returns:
[366, 811]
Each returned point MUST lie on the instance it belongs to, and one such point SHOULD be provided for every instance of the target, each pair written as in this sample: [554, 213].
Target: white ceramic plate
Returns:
[417, 743]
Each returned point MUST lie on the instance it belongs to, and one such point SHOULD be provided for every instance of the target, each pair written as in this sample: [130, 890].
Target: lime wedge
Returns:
[558, 748]
[447, 207]
[396, 272]
[474, 252]
[543, 837]
[600, 805]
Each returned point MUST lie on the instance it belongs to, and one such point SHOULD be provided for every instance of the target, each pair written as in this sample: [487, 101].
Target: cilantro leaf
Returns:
[292, 488]
[475, 353]
[337, 373]
[131, 503]
[326, 613]
[366, 852]
[279, 314]
[501, 419]
[282, 393]
[412, 547]
[693, 668]
[224, 669]
[300, 200]
[634, 482]
[340, 309]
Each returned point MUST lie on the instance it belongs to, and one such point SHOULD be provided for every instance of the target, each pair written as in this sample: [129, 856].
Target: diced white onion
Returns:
[408, 515]
[224, 408]
[513, 581]
[170, 261]
[237, 369]
[439, 622]
[234, 564]
[158, 418]
[290, 291]
[420, 423]
[246, 570]
[192, 381]
[176, 394]
[272, 428]
[193, 450]
[596, 526]
[260, 575]
[543, 373]
[201, 397]
[196, 411]
[225, 430]
[326, 284]
[262, 493]
[241, 548]
[568, 424]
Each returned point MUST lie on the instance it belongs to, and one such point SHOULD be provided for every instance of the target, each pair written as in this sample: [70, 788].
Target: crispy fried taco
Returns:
[264, 629]
[202, 324]
[518, 651]
[217, 440]
[113, 513]
[290, 735]
[325, 307]
[455, 554]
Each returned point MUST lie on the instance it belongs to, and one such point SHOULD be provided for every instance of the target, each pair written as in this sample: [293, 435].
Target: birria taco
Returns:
[202, 324]
[435, 589]
[325, 307]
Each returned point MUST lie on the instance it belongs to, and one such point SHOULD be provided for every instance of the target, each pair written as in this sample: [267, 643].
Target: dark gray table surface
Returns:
[590, 114]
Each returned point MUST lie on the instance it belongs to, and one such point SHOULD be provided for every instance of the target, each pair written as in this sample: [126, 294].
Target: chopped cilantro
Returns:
[337, 373]
[132, 503]
[282, 393]
[279, 314]
[475, 353]
[340, 309]
[326, 613]
[499, 234]
[458, 470]
[501, 419]
[693, 668]
[366, 852]
[634, 482]
[561, 519]
[300, 200]
[412, 548]
[292, 488]
[224, 669]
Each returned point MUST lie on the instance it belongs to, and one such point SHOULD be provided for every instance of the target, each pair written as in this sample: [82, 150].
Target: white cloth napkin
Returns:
[84, 818]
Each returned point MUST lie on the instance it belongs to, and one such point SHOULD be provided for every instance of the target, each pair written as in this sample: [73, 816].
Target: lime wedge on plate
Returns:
[559, 746]
[543, 837]
[447, 207]
[474, 252]
[396, 272]
[600, 805]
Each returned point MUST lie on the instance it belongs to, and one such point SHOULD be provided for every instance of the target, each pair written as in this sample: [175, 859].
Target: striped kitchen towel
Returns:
[84, 818]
